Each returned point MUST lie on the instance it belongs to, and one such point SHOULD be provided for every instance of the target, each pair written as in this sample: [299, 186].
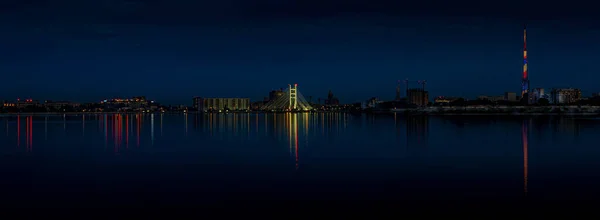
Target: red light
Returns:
[296, 84]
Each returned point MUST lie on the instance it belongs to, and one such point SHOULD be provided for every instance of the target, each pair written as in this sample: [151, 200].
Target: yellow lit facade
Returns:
[444, 100]
[221, 104]
[418, 97]
[565, 96]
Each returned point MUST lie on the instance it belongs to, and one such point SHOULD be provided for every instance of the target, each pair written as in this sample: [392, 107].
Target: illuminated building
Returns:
[510, 96]
[444, 100]
[59, 104]
[7, 104]
[195, 101]
[331, 99]
[27, 103]
[537, 94]
[257, 105]
[372, 103]
[565, 96]
[134, 103]
[418, 96]
[275, 94]
[491, 98]
[222, 104]
[525, 80]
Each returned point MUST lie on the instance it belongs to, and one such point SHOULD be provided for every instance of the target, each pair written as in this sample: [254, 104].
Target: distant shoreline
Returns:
[505, 114]
[74, 113]
[433, 111]
[505, 110]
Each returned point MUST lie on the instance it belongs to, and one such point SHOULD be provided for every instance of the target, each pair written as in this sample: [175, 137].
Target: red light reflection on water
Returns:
[117, 129]
[18, 130]
[105, 124]
[27, 132]
[30, 133]
[126, 131]
[524, 134]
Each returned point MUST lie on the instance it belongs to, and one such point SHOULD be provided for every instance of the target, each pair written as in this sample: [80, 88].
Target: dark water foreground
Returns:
[308, 159]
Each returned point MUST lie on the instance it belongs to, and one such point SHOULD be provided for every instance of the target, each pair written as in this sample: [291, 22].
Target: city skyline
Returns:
[90, 58]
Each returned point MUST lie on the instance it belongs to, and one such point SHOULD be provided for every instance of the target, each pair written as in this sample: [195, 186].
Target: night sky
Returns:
[172, 50]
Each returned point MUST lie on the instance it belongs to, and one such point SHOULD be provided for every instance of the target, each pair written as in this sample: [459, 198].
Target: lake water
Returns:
[172, 159]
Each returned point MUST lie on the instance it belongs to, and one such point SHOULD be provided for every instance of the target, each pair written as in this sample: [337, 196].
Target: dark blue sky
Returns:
[173, 50]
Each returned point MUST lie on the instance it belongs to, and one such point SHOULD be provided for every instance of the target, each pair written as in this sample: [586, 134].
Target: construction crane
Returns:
[423, 83]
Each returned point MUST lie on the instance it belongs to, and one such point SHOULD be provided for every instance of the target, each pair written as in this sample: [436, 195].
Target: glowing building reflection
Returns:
[46, 128]
[105, 125]
[399, 123]
[83, 125]
[127, 131]
[417, 130]
[152, 128]
[186, 123]
[292, 122]
[248, 124]
[18, 130]
[196, 122]
[563, 125]
[306, 117]
[115, 132]
[210, 123]
[233, 124]
[138, 119]
[29, 133]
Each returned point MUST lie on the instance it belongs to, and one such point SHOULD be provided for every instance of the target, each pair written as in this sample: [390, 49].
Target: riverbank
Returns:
[438, 110]
[503, 110]
[79, 113]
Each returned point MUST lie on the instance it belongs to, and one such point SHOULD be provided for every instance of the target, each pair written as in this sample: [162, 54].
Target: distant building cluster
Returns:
[414, 97]
[47, 105]
[221, 104]
[139, 103]
[538, 95]
[277, 100]
[114, 105]
[557, 96]
[565, 96]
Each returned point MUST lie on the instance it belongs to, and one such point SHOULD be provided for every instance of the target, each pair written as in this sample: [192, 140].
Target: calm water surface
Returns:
[201, 158]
